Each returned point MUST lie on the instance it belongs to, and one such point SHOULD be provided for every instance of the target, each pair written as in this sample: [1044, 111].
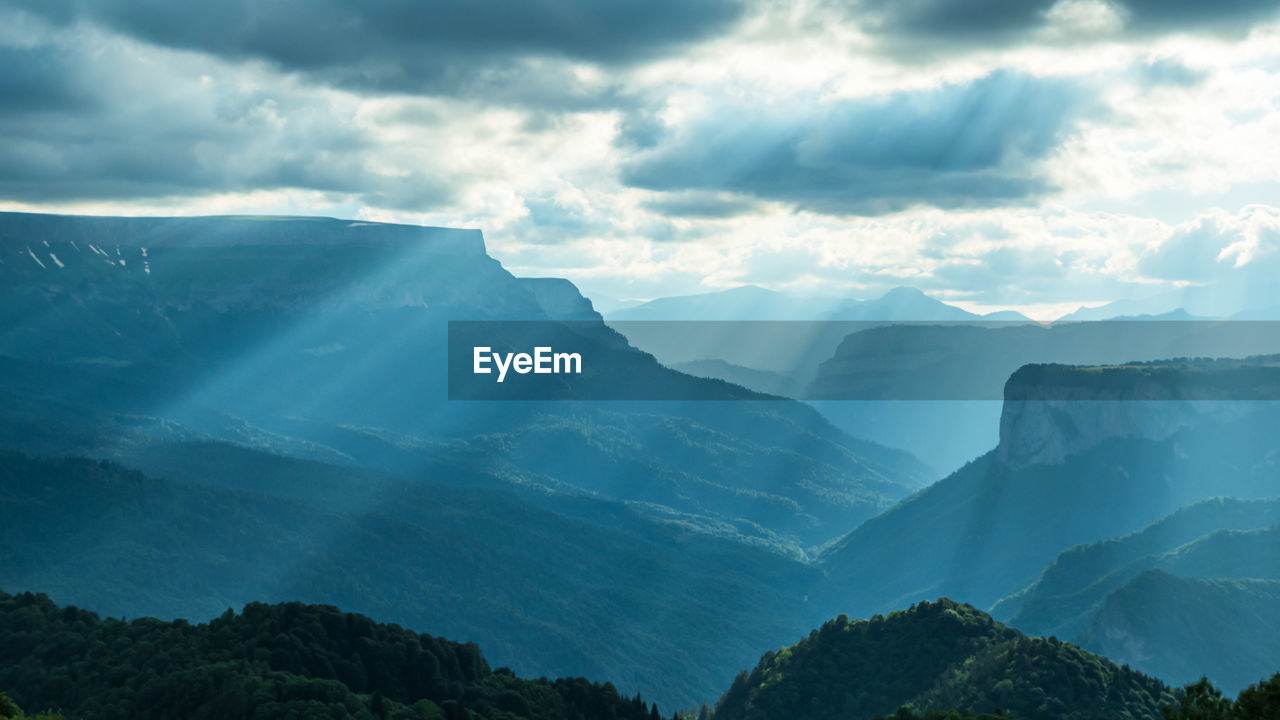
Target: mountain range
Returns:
[750, 302]
[287, 377]
[201, 413]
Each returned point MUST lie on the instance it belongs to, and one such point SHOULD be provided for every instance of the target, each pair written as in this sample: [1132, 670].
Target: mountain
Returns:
[291, 376]
[775, 342]
[332, 337]
[1183, 629]
[750, 302]
[574, 587]
[1220, 300]
[1066, 472]
[765, 381]
[934, 389]
[765, 330]
[1195, 541]
[269, 661]
[973, 362]
[936, 656]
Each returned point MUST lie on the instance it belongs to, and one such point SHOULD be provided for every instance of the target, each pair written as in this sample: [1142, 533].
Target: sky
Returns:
[1038, 155]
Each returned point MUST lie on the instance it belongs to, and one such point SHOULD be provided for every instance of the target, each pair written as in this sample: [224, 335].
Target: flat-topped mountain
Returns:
[1083, 471]
[180, 344]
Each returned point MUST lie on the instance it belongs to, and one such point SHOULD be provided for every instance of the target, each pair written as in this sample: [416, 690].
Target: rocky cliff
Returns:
[1054, 411]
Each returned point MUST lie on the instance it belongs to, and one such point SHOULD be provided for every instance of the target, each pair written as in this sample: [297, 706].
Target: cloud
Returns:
[977, 144]
[1220, 247]
[930, 26]
[1191, 252]
[516, 52]
[88, 118]
[706, 206]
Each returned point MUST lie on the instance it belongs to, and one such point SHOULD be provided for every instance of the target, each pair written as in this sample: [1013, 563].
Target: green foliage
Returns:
[270, 661]
[9, 710]
[906, 713]
[936, 657]
[1202, 701]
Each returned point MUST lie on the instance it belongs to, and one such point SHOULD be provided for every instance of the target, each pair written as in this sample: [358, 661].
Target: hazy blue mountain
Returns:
[972, 362]
[1182, 629]
[1245, 300]
[1194, 541]
[934, 390]
[592, 589]
[945, 434]
[750, 302]
[299, 364]
[1268, 313]
[1066, 472]
[766, 330]
[936, 656]
[765, 381]
[1218, 301]
[774, 343]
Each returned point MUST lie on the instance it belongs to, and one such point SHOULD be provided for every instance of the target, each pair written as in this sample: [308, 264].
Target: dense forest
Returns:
[935, 661]
[935, 657]
[269, 661]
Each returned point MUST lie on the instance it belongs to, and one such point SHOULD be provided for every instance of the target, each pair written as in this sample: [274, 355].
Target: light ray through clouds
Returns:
[685, 147]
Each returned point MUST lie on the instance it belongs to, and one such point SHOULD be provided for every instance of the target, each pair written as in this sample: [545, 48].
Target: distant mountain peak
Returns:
[905, 291]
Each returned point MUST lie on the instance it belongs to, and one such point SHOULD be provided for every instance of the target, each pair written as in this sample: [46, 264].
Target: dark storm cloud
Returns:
[455, 47]
[100, 124]
[978, 144]
[909, 24]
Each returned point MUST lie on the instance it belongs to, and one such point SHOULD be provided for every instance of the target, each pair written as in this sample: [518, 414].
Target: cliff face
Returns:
[1054, 411]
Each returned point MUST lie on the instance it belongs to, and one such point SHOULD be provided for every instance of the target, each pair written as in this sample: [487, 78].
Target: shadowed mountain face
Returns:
[180, 344]
[1221, 537]
[1182, 599]
[1184, 629]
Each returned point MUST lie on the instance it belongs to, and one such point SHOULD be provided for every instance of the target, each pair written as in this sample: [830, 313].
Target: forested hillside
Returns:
[267, 662]
[936, 656]
[617, 597]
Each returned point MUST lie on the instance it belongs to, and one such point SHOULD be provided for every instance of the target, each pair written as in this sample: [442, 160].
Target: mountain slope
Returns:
[1183, 629]
[988, 529]
[935, 656]
[1192, 542]
[330, 337]
[594, 589]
